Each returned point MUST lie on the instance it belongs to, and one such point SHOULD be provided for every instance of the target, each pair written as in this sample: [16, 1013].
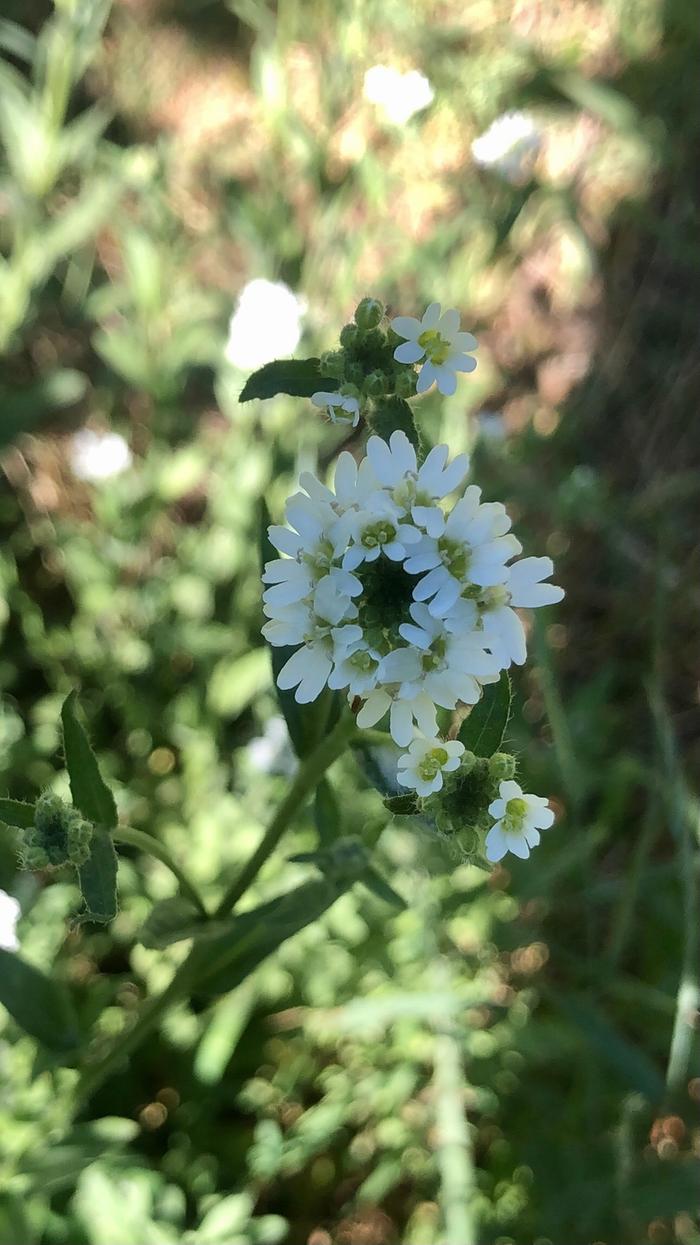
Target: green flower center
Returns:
[381, 533]
[493, 598]
[432, 763]
[436, 347]
[363, 661]
[515, 812]
[455, 556]
[434, 659]
[321, 559]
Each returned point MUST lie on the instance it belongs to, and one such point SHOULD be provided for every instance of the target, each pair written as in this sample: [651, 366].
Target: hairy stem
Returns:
[307, 779]
[147, 843]
[454, 1149]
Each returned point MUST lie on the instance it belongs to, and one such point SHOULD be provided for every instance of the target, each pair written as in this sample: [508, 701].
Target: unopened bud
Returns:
[374, 339]
[332, 363]
[60, 835]
[349, 336]
[368, 314]
[405, 383]
[355, 375]
[501, 766]
[375, 385]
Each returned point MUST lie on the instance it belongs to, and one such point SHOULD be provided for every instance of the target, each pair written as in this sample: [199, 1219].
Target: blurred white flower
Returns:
[398, 95]
[265, 325]
[271, 753]
[9, 915]
[98, 455]
[509, 146]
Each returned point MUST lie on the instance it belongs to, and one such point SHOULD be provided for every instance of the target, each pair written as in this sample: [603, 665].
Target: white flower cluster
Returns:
[397, 599]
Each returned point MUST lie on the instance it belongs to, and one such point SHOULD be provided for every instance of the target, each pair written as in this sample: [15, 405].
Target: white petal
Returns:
[373, 709]
[495, 846]
[453, 474]
[510, 790]
[426, 377]
[462, 362]
[415, 635]
[409, 352]
[401, 723]
[286, 593]
[449, 324]
[313, 682]
[295, 669]
[446, 379]
[518, 846]
[285, 540]
[431, 316]
[464, 341]
[407, 326]
[429, 517]
[431, 583]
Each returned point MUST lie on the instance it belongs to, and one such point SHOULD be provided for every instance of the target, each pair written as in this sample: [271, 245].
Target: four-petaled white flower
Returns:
[338, 402]
[422, 767]
[518, 819]
[437, 339]
[10, 913]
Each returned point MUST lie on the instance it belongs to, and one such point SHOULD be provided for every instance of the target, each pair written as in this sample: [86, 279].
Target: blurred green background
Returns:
[190, 187]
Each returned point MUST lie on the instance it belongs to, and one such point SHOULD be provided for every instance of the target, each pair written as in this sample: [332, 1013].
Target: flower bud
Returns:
[60, 835]
[375, 385]
[405, 383]
[374, 340]
[332, 363]
[349, 336]
[368, 314]
[501, 766]
[355, 375]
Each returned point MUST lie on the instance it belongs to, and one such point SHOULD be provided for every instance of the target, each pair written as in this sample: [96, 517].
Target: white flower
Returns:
[509, 146]
[415, 490]
[10, 913]
[98, 455]
[338, 401]
[518, 820]
[265, 325]
[398, 95]
[385, 596]
[423, 766]
[437, 339]
[472, 550]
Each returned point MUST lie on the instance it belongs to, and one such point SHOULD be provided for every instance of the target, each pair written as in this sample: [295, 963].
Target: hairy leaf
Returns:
[299, 378]
[16, 813]
[98, 879]
[483, 731]
[38, 1004]
[88, 788]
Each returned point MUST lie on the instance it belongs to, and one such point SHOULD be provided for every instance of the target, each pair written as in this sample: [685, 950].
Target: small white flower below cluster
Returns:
[509, 147]
[96, 456]
[437, 342]
[518, 819]
[422, 767]
[334, 402]
[265, 325]
[10, 913]
[388, 593]
[398, 95]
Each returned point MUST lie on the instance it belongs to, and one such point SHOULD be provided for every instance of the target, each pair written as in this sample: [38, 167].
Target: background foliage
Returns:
[157, 155]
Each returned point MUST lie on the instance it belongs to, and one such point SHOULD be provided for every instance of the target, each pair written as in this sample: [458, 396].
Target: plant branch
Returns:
[148, 843]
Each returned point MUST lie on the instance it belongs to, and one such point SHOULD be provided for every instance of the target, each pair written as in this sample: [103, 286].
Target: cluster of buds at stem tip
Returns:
[377, 359]
[60, 836]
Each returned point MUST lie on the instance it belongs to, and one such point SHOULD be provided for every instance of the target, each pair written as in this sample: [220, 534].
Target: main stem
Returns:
[147, 843]
[454, 1149]
[307, 778]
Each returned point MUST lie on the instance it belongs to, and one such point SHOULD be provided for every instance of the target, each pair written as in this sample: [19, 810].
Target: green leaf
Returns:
[27, 408]
[299, 378]
[306, 723]
[483, 730]
[171, 921]
[394, 413]
[327, 813]
[88, 788]
[663, 1188]
[38, 1004]
[221, 962]
[598, 1032]
[16, 813]
[402, 805]
[381, 888]
[378, 764]
[98, 879]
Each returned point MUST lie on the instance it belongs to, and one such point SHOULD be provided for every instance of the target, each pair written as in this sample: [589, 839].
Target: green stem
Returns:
[147, 843]
[454, 1148]
[307, 779]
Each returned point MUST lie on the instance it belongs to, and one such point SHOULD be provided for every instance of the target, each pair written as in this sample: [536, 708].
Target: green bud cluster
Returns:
[460, 810]
[60, 836]
[365, 365]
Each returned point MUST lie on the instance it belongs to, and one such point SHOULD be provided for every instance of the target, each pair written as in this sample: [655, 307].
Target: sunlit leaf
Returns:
[483, 730]
[38, 1004]
[299, 378]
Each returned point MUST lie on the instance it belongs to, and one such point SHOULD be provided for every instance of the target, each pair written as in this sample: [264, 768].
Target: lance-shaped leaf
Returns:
[306, 723]
[98, 876]
[38, 1004]
[220, 962]
[483, 730]
[17, 814]
[394, 414]
[299, 378]
[327, 813]
[172, 920]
